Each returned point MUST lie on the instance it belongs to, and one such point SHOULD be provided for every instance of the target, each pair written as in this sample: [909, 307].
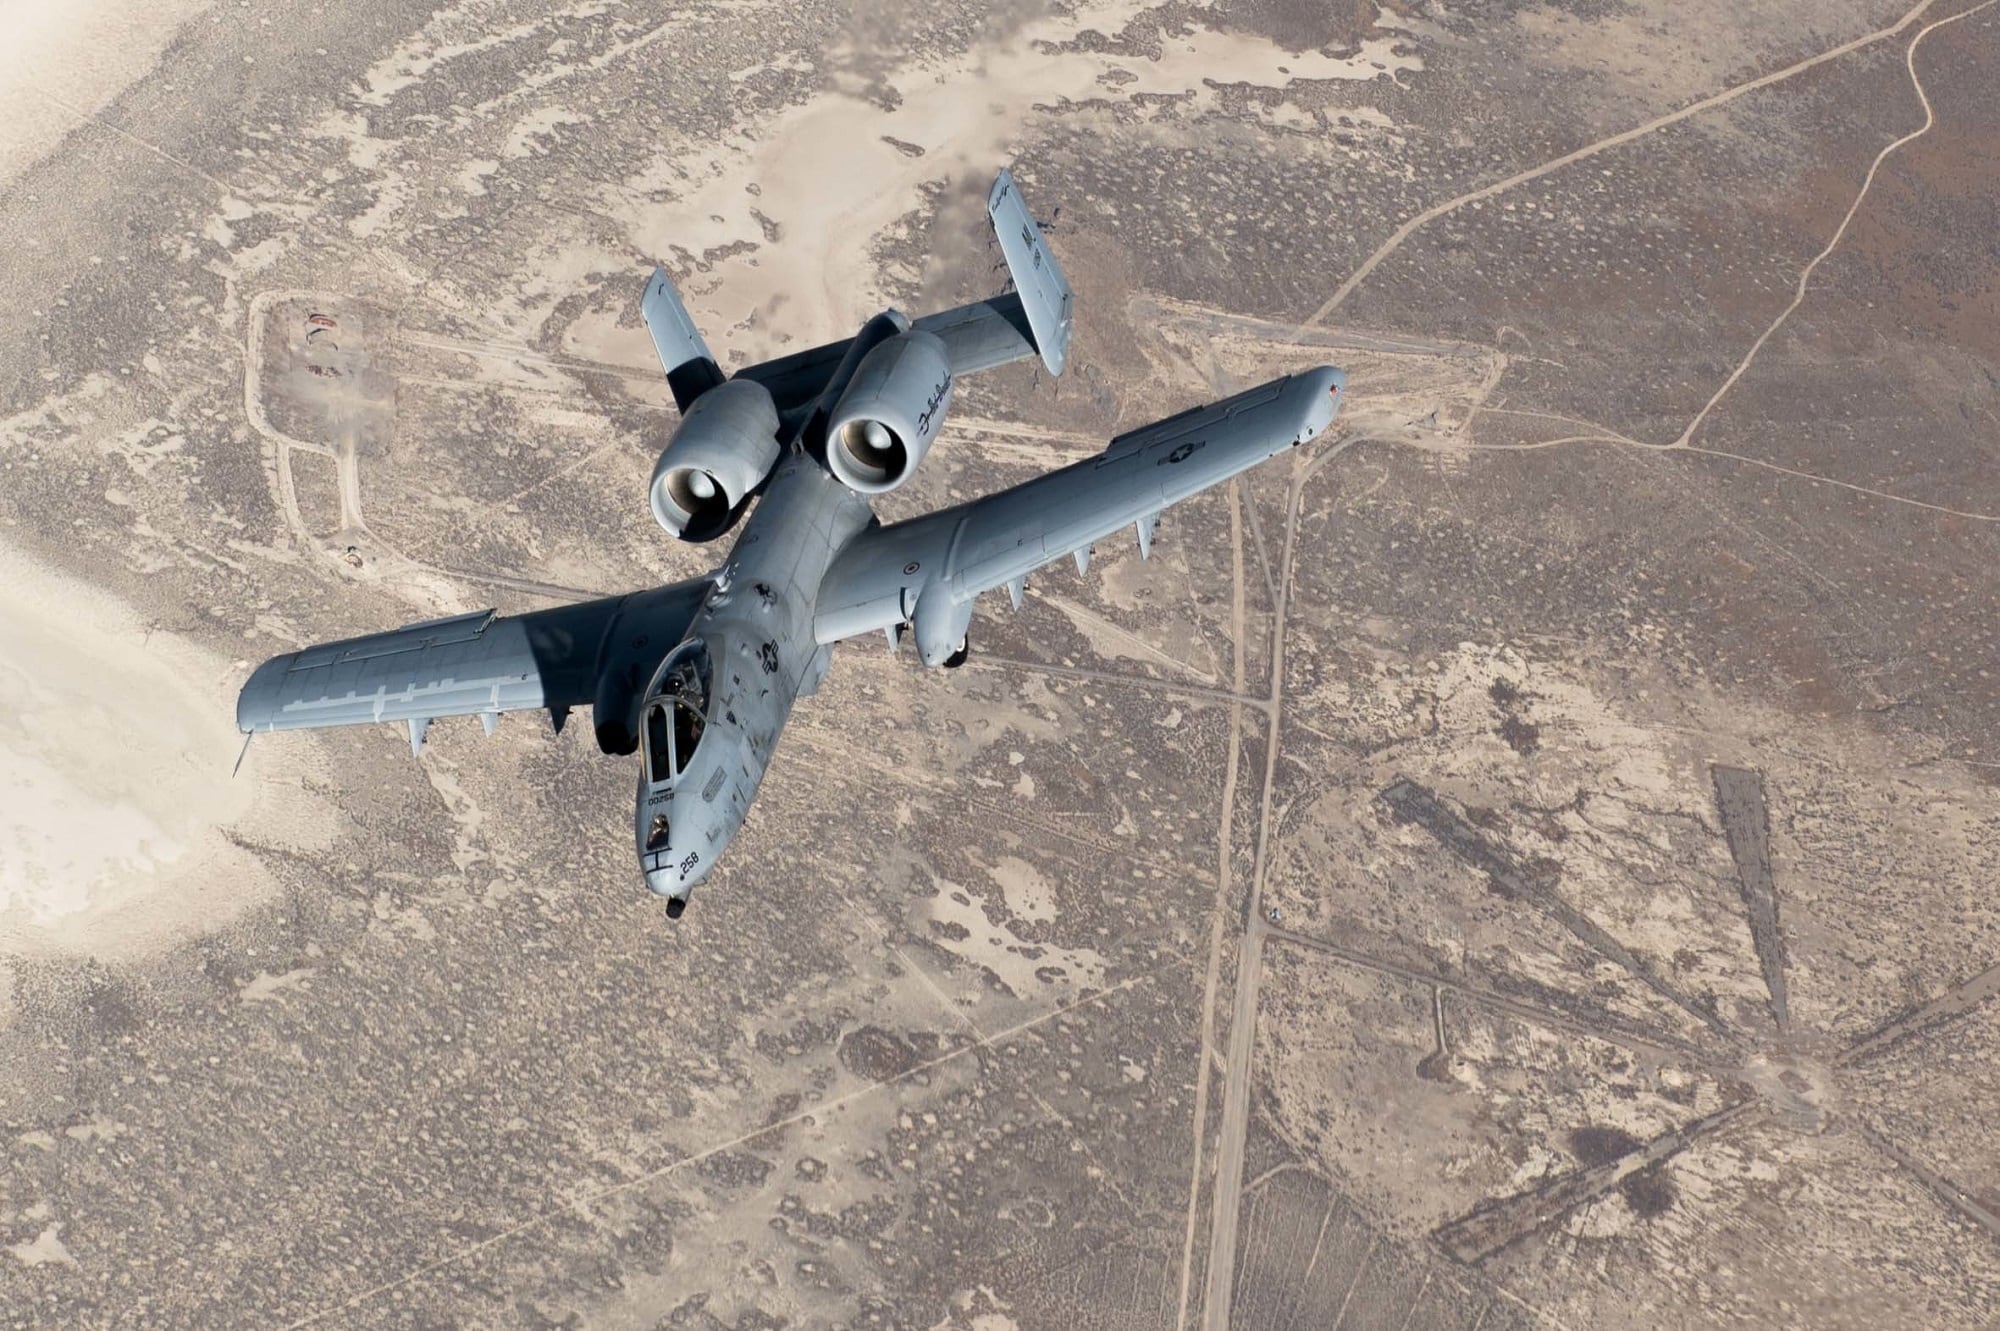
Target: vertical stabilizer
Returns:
[691, 369]
[1037, 276]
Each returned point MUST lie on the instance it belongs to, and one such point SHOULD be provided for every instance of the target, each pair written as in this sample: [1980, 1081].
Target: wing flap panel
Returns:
[1192, 421]
[984, 334]
[432, 633]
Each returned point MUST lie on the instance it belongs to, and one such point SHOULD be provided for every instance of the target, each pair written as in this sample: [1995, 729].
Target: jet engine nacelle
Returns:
[726, 445]
[891, 412]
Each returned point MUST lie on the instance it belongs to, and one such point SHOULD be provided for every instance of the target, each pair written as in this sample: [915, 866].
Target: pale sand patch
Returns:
[1028, 895]
[1109, 641]
[115, 790]
[823, 174]
[1025, 969]
[46, 1249]
[61, 61]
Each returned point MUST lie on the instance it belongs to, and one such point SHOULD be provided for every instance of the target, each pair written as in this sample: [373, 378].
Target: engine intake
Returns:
[726, 445]
[890, 414]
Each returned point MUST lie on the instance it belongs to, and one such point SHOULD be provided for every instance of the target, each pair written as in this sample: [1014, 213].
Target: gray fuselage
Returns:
[756, 633]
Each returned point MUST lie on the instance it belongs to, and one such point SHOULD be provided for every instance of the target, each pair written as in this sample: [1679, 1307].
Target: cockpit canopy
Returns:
[676, 712]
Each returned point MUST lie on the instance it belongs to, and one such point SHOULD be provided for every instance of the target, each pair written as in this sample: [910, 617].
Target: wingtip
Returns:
[256, 702]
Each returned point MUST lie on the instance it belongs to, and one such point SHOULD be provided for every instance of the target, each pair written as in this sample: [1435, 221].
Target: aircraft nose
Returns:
[668, 883]
[679, 873]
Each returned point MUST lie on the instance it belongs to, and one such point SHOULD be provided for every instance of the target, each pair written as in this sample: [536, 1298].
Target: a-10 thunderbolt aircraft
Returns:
[699, 677]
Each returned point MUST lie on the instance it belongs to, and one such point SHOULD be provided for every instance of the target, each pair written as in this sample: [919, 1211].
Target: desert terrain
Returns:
[1527, 860]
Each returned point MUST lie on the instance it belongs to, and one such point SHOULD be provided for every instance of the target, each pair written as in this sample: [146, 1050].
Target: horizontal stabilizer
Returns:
[1045, 294]
[691, 368]
[976, 337]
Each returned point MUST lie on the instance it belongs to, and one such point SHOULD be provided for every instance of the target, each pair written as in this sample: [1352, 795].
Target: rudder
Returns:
[1044, 291]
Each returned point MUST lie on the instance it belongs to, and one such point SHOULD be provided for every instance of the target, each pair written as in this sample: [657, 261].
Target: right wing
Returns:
[933, 566]
[481, 662]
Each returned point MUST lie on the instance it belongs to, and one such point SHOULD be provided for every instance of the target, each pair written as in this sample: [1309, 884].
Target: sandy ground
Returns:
[957, 116]
[986, 1026]
[115, 787]
[63, 63]
[115, 738]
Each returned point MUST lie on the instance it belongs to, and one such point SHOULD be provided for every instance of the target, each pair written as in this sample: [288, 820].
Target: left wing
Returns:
[928, 570]
[482, 662]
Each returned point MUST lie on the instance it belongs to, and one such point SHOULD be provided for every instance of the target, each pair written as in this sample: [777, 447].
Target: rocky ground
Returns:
[1523, 861]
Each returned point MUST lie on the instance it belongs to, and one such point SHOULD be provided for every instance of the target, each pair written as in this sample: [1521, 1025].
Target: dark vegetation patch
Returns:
[1595, 1145]
[1649, 1192]
[876, 1054]
[1523, 737]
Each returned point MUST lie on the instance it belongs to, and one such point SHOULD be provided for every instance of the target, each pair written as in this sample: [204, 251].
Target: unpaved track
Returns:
[1727, 95]
[1250, 956]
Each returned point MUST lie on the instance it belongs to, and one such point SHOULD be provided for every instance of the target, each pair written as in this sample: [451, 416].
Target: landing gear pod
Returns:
[940, 625]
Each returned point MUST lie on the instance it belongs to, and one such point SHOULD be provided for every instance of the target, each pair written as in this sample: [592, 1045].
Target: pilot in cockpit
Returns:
[684, 683]
[683, 686]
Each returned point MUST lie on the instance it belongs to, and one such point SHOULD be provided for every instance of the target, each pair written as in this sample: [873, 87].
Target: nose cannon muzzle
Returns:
[669, 883]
